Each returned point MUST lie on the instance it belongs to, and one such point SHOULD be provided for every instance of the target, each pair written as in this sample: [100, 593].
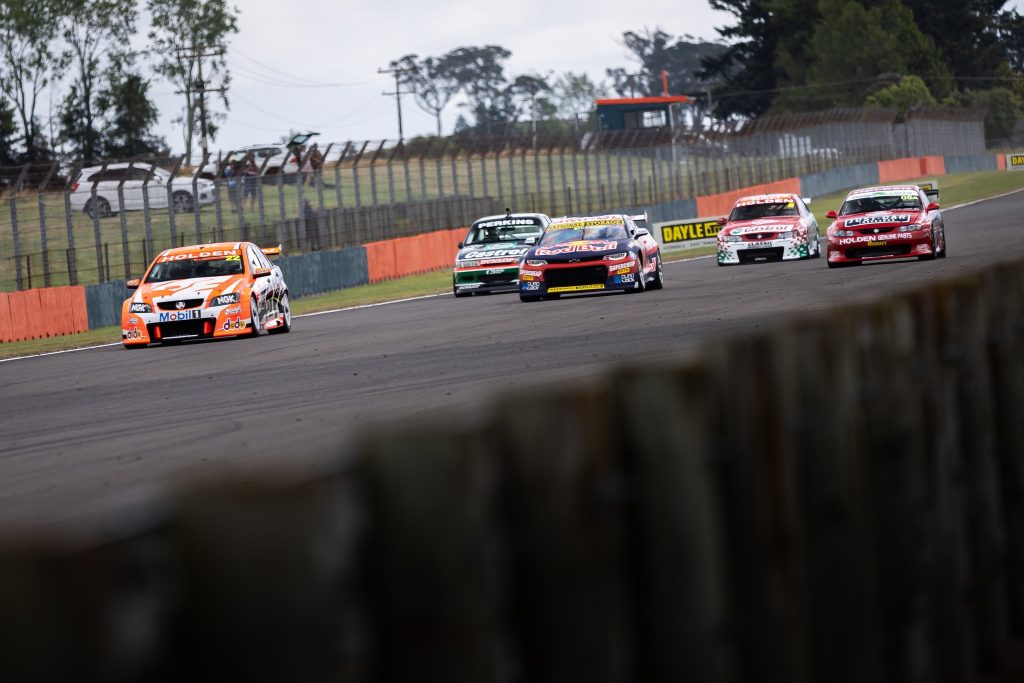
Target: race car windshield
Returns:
[597, 232]
[907, 202]
[767, 210]
[189, 268]
[491, 234]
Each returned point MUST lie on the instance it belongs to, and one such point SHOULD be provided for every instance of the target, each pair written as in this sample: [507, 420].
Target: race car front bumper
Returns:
[576, 278]
[751, 251]
[490, 279]
[880, 247]
[196, 323]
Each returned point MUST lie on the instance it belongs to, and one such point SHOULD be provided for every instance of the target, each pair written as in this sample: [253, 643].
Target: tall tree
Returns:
[480, 73]
[28, 29]
[8, 129]
[746, 68]
[129, 115]
[95, 31]
[680, 59]
[973, 37]
[574, 95]
[432, 85]
[188, 39]
[626, 83]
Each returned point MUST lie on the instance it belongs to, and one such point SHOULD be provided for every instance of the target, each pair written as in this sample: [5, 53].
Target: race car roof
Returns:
[502, 216]
[883, 190]
[195, 248]
[765, 199]
[577, 222]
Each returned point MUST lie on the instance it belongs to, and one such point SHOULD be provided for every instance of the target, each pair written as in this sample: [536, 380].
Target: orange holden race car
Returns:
[205, 291]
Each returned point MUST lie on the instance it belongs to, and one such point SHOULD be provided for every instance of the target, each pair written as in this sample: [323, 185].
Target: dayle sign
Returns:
[1015, 162]
[687, 234]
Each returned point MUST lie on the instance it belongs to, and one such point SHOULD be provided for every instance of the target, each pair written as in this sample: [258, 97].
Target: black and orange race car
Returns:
[591, 254]
[202, 291]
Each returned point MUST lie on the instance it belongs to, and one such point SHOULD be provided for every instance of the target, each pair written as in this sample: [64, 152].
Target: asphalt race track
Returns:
[90, 439]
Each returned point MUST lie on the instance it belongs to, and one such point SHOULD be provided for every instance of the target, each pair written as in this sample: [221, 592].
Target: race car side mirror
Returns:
[530, 240]
[640, 232]
[832, 214]
[131, 284]
[461, 245]
[934, 206]
[722, 220]
[261, 272]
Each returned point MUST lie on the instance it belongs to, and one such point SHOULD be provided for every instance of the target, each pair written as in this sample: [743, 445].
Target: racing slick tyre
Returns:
[284, 309]
[659, 276]
[641, 280]
[461, 295]
[945, 246]
[102, 207]
[182, 202]
[817, 248]
[526, 298]
[256, 325]
[931, 256]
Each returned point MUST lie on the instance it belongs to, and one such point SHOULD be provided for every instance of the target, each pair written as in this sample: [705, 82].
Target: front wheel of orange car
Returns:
[255, 324]
[284, 310]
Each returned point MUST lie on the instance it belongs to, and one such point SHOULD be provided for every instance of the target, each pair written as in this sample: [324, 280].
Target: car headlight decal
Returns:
[225, 299]
[616, 257]
[536, 262]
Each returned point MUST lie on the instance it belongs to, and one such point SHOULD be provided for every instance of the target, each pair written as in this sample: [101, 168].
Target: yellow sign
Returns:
[1015, 162]
[576, 288]
[682, 233]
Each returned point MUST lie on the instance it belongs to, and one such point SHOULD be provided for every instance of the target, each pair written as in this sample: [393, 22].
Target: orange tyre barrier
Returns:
[6, 327]
[411, 255]
[933, 166]
[41, 313]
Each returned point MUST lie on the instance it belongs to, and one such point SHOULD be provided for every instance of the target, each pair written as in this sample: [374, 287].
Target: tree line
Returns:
[81, 49]
[775, 56]
[800, 55]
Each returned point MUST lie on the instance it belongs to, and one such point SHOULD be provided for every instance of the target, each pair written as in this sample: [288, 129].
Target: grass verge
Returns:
[953, 190]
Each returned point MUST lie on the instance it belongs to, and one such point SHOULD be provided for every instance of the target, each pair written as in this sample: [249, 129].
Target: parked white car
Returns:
[106, 179]
[273, 159]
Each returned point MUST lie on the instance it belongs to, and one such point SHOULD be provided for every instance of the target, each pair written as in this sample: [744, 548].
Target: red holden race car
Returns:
[881, 223]
[592, 254]
[768, 227]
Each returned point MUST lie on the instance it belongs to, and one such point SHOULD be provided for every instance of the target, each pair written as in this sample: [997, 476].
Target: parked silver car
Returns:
[106, 180]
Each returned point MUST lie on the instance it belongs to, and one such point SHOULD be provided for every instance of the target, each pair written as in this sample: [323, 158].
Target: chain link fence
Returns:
[61, 224]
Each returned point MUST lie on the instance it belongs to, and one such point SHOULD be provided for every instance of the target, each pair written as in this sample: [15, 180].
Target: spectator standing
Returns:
[233, 175]
[251, 179]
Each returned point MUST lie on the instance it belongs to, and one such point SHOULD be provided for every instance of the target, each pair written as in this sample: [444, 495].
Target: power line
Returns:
[290, 80]
[397, 72]
[197, 53]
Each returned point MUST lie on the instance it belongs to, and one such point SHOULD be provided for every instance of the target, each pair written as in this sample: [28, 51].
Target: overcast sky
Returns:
[307, 43]
[312, 64]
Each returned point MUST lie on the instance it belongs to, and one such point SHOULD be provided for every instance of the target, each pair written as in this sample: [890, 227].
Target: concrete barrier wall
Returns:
[972, 164]
[324, 271]
[104, 303]
[838, 179]
[836, 498]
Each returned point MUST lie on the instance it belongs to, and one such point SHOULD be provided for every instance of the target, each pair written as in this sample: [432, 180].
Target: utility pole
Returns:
[397, 72]
[198, 53]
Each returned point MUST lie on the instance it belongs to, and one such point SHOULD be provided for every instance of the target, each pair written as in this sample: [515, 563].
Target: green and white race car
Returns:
[488, 259]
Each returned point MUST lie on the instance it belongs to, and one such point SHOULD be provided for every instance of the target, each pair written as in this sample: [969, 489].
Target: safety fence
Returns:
[409, 250]
[60, 224]
[837, 498]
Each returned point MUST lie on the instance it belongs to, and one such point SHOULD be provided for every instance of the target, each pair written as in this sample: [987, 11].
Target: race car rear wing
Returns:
[932, 193]
[641, 218]
[272, 251]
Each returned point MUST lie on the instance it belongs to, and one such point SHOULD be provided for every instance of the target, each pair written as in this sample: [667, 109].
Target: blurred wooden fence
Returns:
[838, 499]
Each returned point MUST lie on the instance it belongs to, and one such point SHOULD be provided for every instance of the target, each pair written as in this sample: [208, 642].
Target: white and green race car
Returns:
[488, 259]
